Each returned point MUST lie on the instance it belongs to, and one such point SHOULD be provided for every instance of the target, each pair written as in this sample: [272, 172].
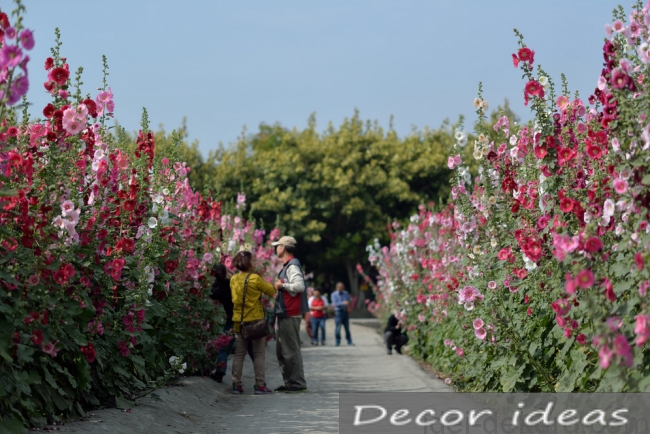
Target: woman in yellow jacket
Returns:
[253, 311]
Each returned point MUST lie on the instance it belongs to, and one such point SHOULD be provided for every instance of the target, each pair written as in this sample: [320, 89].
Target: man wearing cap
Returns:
[290, 305]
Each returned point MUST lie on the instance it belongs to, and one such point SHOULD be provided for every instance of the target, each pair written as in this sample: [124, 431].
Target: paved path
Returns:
[200, 405]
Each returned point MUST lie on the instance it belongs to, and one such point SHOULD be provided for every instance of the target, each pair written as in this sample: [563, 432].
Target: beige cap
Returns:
[285, 241]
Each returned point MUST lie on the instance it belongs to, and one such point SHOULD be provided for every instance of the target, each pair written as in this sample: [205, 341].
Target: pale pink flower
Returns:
[480, 333]
[104, 96]
[478, 323]
[642, 329]
[73, 127]
[66, 207]
[49, 348]
[614, 323]
[447, 380]
[618, 26]
[492, 284]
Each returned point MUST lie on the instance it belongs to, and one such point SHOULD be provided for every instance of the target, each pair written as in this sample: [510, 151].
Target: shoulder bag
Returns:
[254, 329]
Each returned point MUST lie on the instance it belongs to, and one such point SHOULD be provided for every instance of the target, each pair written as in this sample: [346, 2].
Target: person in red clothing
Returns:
[318, 307]
[290, 306]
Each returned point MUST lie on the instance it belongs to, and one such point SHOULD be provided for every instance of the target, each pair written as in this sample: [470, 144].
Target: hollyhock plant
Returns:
[107, 247]
[553, 218]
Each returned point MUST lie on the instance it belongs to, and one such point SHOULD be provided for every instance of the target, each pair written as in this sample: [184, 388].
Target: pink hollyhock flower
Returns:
[561, 306]
[63, 93]
[33, 280]
[50, 348]
[585, 278]
[447, 380]
[562, 102]
[570, 284]
[503, 254]
[614, 323]
[492, 284]
[620, 185]
[480, 333]
[10, 55]
[447, 342]
[542, 222]
[642, 329]
[525, 54]
[27, 39]
[581, 339]
[104, 96]
[66, 207]
[460, 352]
[618, 26]
[605, 355]
[478, 323]
[529, 311]
[622, 348]
[468, 293]
[620, 79]
[643, 288]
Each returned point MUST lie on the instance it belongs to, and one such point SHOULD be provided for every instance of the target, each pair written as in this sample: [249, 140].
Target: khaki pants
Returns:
[259, 351]
[288, 352]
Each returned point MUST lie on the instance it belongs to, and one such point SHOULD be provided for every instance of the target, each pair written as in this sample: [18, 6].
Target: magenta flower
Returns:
[10, 55]
[33, 280]
[27, 39]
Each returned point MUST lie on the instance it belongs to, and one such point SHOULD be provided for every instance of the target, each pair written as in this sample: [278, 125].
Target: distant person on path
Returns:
[290, 306]
[341, 301]
[221, 292]
[252, 311]
[318, 306]
[394, 335]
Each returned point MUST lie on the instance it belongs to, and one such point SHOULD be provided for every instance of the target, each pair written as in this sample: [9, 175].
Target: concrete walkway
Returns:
[200, 405]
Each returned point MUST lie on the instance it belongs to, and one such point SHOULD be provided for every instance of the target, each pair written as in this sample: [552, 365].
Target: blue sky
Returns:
[226, 64]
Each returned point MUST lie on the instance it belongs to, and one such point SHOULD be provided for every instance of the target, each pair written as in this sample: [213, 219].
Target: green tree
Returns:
[336, 191]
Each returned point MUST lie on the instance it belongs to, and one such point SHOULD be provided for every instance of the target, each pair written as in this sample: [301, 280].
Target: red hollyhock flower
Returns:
[515, 60]
[59, 75]
[638, 260]
[89, 352]
[609, 290]
[102, 233]
[593, 245]
[566, 204]
[48, 111]
[129, 205]
[49, 63]
[526, 55]
[45, 317]
[540, 152]
[534, 88]
[594, 152]
[37, 337]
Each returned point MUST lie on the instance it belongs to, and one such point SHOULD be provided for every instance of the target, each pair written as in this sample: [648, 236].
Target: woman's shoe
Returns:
[322, 343]
[314, 343]
[237, 390]
[262, 390]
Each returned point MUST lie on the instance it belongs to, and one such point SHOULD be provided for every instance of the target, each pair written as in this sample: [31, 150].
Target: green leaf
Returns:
[122, 403]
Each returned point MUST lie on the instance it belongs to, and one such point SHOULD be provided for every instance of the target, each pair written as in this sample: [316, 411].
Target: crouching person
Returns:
[394, 335]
